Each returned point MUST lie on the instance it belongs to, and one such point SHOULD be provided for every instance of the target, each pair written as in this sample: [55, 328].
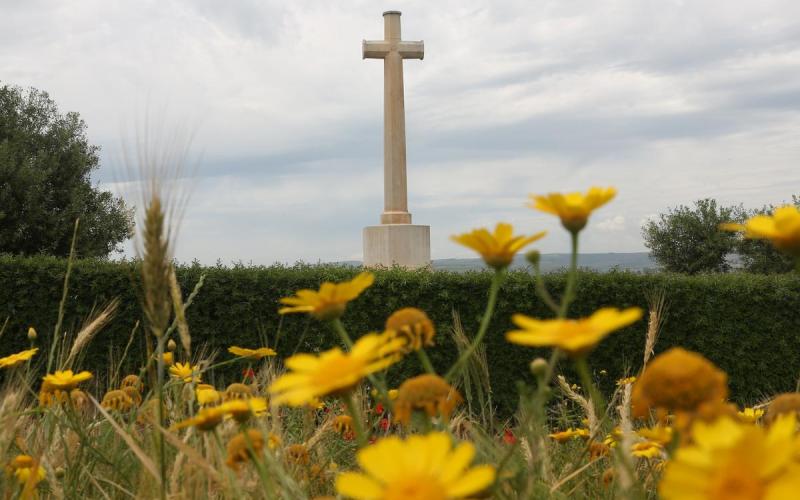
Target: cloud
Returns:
[612, 224]
[668, 101]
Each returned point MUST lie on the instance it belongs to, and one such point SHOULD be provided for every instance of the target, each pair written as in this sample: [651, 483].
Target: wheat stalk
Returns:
[88, 332]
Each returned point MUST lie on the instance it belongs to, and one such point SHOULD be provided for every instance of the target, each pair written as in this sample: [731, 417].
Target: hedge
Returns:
[747, 324]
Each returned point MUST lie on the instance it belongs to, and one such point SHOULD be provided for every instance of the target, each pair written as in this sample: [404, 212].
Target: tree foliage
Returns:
[759, 256]
[688, 239]
[45, 166]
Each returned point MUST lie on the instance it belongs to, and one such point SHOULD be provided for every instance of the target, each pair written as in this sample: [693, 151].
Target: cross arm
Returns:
[375, 49]
[411, 50]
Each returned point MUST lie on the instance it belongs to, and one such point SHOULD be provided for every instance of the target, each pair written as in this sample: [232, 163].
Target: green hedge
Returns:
[748, 324]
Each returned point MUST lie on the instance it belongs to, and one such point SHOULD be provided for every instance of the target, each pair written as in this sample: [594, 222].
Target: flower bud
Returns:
[171, 345]
[539, 367]
[534, 256]
[31, 334]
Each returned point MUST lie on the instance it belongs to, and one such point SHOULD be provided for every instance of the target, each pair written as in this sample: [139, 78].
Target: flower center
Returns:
[415, 488]
[736, 481]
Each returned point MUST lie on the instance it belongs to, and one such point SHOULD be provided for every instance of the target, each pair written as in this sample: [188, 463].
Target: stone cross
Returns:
[396, 241]
[393, 50]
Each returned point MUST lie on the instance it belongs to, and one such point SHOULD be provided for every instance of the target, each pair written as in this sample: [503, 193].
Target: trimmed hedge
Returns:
[749, 325]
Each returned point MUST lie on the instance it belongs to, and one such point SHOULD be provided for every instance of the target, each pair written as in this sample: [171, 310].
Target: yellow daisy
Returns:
[65, 380]
[499, 248]
[15, 359]
[750, 415]
[647, 449]
[730, 460]
[573, 208]
[330, 301]
[782, 229]
[314, 376]
[242, 352]
[576, 337]
[421, 467]
[413, 325]
[185, 372]
[570, 434]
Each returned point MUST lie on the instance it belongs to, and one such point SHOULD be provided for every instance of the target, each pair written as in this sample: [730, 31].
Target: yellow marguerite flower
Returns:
[205, 419]
[330, 301]
[206, 397]
[576, 337]
[242, 409]
[65, 380]
[15, 359]
[499, 248]
[782, 229]
[647, 449]
[185, 372]
[730, 460]
[25, 466]
[315, 376]
[421, 468]
[573, 208]
[750, 415]
[242, 352]
[570, 433]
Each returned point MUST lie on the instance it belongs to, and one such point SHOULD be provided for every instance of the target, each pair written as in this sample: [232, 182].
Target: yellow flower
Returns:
[169, 358]
[205, 419]
[576, 337]
[23, 467]
[185, 372]
[312, 377]
[15, 359]
[65, 380]
[242, 352]
[647, 449]
[570, 434]
[242, 409]
[330, 301]
[242, 446]
[297, 454]
[625, 381]
[657, 434]
[783, 403]
[428, 393]
[678, 381]
[782, 229]
[117, 400]
[750, 415]
[206, 397]
[499, 248]
[730, 460]
[393, 394]
[238, 391]
[132, 381]
[343, 424]
[573, 208]
[413, 326]
[421, 467]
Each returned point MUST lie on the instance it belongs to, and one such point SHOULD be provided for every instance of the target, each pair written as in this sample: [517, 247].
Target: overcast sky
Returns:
[669, 101]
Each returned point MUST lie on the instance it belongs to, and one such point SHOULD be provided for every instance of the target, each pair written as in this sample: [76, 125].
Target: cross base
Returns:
[389, 217]
[405, 245]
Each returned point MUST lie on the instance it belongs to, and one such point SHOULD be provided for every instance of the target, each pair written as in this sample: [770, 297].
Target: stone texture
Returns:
[406, 245]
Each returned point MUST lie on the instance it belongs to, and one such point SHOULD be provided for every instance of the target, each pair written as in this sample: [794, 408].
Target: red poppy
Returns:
[509, 437]
[384, 424]
[379, 408]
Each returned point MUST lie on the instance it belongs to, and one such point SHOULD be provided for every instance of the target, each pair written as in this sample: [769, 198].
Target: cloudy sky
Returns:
[668, 100]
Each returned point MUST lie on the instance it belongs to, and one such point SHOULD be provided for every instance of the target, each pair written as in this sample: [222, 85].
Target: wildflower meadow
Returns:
[331, 424]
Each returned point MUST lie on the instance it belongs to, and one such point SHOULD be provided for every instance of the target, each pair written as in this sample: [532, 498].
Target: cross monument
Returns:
[396, 241]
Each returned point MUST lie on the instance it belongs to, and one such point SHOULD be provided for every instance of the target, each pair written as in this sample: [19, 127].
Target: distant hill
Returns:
[635, 261]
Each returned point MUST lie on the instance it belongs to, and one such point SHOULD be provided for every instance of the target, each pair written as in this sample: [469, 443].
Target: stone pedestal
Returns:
[406, 245]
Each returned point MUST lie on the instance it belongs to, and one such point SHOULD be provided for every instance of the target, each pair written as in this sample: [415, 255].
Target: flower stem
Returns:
[358, 424]
[426, 361]
[582, 367]
[497, 280]
[338, 327]
[572, 278]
